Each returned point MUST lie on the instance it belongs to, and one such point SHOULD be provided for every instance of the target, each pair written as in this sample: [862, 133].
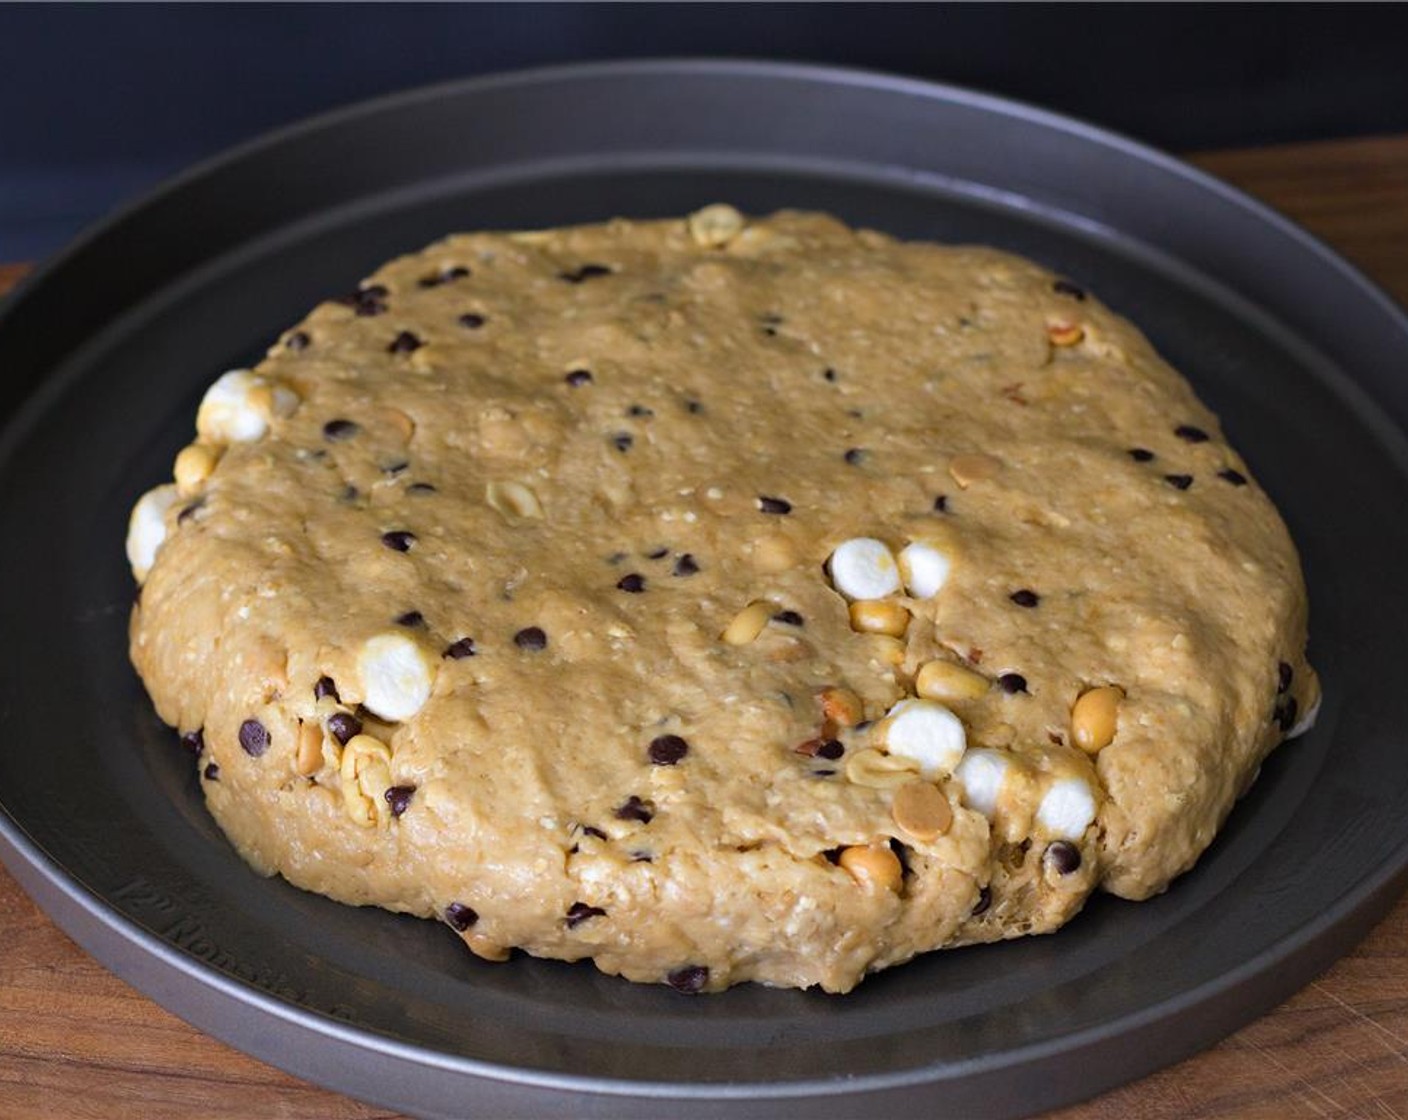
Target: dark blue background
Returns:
[100, 102]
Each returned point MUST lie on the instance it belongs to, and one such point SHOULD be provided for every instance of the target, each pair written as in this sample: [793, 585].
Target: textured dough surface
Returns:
[905, 392]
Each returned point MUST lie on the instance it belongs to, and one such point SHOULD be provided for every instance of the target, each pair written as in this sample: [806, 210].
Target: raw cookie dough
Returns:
[719, 600]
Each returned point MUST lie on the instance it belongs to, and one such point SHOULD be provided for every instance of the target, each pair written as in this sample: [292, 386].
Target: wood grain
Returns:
[75, 1042]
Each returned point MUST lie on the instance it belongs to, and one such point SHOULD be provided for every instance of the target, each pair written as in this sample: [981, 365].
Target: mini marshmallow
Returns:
[924, 569]
[396, 676]
[1067, 808]
[146, 528]
[927, 733]
[236, 408]
[864, 568]
[983, 772]
[1307, 721]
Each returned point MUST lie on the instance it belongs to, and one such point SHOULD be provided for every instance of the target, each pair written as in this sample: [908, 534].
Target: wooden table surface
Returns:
[77, 1042]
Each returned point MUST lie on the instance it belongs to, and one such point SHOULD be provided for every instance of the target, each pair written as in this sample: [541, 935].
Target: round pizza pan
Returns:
[104, 355]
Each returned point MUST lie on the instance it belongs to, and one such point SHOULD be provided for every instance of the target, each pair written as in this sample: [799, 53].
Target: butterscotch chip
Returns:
[579, 522]
[921, 810]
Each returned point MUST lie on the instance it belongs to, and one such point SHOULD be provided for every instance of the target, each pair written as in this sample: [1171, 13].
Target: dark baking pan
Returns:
[106, 351]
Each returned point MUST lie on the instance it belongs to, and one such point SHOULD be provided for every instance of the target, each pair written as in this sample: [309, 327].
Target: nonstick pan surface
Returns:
[104, 354]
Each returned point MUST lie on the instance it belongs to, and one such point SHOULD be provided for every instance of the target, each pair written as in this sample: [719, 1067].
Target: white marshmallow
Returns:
[235, 409]
[983, 772]
[286, 401]
[927, 733]
[924, 568]
[864, 568]
[1067, 808]
[396, 676]
[146, 528]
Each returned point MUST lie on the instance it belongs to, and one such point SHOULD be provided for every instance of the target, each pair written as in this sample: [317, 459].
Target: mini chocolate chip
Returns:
[690, 980]
[1284, 675]
[344, 726]
[855, 456]
[254, 738]
[657, 554]
[1064, 287]
[404, 343]
[578, 377]
[831, 749]
[460, 649]
[901, 853]
[634, 583]
[579, 912]
[460, 916]
[393, 469]
[194, 741]
[592, 830]
[349, 493]
[338, 430]
[212, 772]
[984, 901]
[298, 340]
[444, 276]
[829, 374]
[634, 809]
[1179, 481]
[410, 618]
[1012, 683]
[686, 565]
[1190, 434]
[471, 321]
[666, 750]
[622, 441]
[1235, 477]
[1025, 597]
[771, 332]
[640, 411]
[399, 540]
[585, 272]
[325, 687]
[789, 618]
[531, 638]
[189, 511]
[693, 407]
[420, 488]
[774, 505]
[642, 857]
[1286, 714]
[941, 503]
[399, 797]
[367, 300]
[1141, 454]
[1062, 856]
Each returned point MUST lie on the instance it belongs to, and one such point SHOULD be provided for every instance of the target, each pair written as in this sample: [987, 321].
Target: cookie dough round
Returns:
[719, 600]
